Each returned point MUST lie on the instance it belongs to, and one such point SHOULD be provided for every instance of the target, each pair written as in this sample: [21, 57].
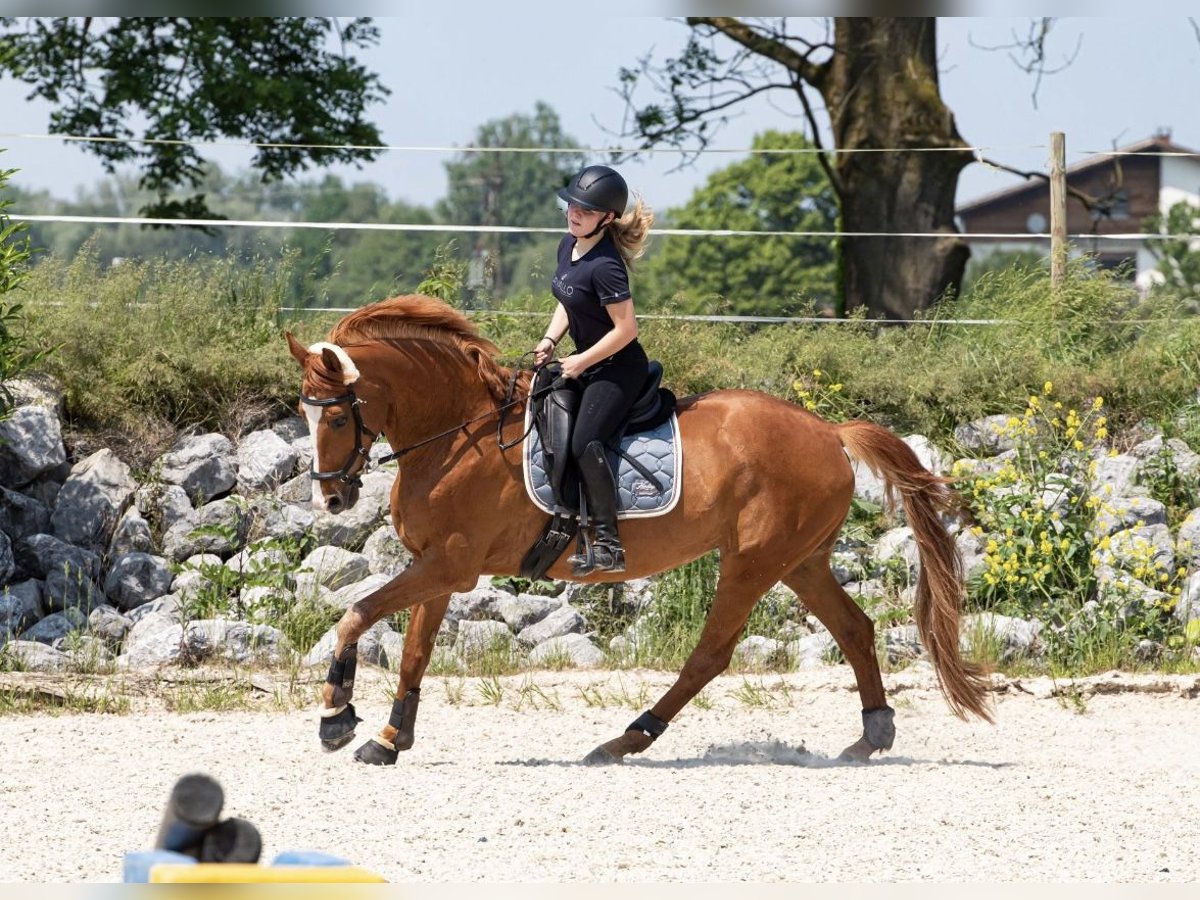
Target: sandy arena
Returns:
[1096, 785]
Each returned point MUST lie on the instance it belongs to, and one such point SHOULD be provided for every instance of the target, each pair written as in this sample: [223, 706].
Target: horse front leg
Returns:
[399, 732]
[424, 581]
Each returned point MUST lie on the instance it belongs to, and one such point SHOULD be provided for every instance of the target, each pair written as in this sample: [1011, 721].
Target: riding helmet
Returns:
[598, 187]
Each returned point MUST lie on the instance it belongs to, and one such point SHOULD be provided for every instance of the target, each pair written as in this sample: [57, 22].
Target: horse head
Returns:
[330, 401]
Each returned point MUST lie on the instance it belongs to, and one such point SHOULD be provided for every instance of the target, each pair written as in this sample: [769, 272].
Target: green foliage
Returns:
[1178, 258]
[1000, 261]
[507, 189]
[151, 345]
[273, 563]
[1035, 510]
[446, 277]
[18, 353]
[343, 268]
[1177, 490]
[669, 630]
[1043, 556]
[751, 275]
[193, 79]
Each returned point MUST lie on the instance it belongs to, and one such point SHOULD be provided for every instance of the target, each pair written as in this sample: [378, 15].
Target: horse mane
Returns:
[417, 317]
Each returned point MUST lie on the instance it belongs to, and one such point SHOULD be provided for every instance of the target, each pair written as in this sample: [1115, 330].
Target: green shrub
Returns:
[18, 352]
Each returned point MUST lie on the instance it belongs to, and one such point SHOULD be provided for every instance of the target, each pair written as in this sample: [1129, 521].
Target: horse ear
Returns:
[331, 360]
[297, 349]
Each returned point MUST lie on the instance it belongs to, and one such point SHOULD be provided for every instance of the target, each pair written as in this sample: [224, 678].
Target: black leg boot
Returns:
[607, 553]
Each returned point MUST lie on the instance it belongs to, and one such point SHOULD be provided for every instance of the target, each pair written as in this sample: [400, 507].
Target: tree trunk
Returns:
[881, 90]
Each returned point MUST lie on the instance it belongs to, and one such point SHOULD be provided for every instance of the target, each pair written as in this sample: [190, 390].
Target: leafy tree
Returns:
[752, 275]
[877, 80]
[351, 267]
[1178, 251]
[510, 188]
[263, 80]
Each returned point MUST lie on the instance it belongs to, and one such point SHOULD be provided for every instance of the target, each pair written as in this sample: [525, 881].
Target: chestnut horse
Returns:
[765, 482]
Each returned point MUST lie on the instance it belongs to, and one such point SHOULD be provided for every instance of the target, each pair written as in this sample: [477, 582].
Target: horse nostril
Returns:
[333, 504]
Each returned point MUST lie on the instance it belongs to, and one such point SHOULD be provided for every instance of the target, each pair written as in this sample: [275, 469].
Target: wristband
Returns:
[546, 337]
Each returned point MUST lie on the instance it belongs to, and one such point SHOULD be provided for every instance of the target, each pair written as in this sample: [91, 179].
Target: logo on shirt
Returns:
[559, 283]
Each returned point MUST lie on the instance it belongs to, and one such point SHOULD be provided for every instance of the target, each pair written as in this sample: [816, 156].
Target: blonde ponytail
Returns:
[630, 231]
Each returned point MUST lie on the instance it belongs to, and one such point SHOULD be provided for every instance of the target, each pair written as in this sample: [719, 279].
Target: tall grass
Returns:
[147, 348]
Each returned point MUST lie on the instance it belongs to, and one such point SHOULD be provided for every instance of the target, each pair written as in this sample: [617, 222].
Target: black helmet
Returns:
[598, 187]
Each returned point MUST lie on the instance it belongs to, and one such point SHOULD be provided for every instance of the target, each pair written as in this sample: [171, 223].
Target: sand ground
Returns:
[1094, 780]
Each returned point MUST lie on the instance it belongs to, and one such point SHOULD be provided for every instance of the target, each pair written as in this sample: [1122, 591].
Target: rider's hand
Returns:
[543, 351]
[573, 366]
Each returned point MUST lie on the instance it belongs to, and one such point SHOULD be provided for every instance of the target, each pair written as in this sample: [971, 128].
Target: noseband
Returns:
[361, 451]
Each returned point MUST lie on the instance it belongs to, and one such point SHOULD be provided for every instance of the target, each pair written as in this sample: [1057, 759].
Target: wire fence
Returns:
[977, 151]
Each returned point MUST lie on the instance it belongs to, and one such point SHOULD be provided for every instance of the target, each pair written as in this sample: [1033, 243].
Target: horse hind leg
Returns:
[737, 592]
[399, 732]
[854, 632]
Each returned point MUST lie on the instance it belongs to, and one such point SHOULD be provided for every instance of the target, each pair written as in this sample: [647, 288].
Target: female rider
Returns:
[591, 284]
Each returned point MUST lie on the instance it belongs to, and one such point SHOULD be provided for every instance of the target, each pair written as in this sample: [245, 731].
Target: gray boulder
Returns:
[264, 461]
[132, 534]
[137, 578]
[477, 638]
[92, 500]
[20, 607]
[335, 568]
[203, 465]
[155, 640]
[21, 515]
[564, 620]
[523, 610]
[55, 626]
[109, 624]
[370, 648]
[581, 652]
[35, 656]
[30, 445]
[385, 552]
[233, 641]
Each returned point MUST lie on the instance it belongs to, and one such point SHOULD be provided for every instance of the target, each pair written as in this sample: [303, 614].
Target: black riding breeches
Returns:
[608, 395]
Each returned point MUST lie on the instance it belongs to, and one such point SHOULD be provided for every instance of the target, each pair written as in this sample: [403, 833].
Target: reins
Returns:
[361, 430]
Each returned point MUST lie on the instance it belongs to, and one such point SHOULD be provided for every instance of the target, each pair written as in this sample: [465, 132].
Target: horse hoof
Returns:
[601, 757]
[859, 751]
[337, 731]
[374, 753]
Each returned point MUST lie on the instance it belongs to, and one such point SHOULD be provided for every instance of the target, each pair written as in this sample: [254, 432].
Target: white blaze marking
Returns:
[313, 413]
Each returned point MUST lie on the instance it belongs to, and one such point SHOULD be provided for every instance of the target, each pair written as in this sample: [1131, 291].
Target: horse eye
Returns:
[339, 422]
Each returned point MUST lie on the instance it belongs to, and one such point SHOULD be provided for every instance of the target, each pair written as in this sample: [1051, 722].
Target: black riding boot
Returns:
[607, 552]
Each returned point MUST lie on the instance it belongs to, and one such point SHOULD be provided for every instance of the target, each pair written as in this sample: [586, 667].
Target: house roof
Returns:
[1156, 144]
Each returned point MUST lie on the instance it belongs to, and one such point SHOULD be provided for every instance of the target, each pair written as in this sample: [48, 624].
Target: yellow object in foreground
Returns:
[248, 873]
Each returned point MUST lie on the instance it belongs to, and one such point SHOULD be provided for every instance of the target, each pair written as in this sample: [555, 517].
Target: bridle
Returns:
[361, 451]
[361, 454]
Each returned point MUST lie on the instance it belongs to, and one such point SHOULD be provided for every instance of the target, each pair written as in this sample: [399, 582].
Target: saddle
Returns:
[555, 404]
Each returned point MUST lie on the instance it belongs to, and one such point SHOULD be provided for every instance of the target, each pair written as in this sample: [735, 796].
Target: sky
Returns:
[1128, 78]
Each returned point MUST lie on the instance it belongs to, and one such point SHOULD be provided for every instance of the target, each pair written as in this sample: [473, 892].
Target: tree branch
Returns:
[835, 180]
[1091, 202]
[1034, 46]
[736, 30]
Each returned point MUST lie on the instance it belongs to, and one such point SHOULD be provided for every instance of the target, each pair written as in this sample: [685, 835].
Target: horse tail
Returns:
[940, 591]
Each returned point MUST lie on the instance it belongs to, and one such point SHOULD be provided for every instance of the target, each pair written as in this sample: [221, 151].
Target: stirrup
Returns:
[600, 557]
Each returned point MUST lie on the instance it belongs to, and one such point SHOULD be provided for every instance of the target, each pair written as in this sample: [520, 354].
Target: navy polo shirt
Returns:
[585, 286]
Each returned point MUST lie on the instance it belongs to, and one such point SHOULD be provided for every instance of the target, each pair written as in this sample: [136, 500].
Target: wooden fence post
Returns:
[1058, 209]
